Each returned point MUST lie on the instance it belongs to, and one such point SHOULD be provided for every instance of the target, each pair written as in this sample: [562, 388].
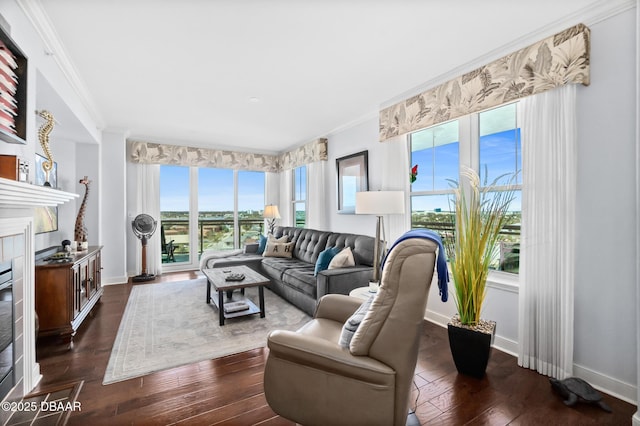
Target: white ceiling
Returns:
[184, 71]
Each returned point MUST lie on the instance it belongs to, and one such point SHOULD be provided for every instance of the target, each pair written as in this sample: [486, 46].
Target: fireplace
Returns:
[17, 201]
[7, 321]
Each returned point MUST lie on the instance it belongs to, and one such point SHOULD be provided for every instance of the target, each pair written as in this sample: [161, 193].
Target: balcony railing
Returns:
[508, 258]
[218, 234]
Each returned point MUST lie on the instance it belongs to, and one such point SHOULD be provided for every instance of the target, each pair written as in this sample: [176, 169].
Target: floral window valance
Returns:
[155, 153]
[555, 61]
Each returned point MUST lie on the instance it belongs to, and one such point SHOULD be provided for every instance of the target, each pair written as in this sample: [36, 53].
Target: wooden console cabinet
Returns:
[66, 290]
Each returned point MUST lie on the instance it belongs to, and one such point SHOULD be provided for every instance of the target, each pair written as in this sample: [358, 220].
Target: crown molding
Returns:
[39, 19]
[590, 15]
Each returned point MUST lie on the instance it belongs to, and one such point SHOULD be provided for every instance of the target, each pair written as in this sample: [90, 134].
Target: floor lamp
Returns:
[271, 213]
[379, 203]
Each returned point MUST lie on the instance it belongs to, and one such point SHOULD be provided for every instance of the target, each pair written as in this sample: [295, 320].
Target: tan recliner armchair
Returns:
[311, 379]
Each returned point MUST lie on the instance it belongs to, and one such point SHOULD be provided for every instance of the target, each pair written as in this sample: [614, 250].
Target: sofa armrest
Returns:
[251, 248]
[343, 280]
[325, 355]
[337, 307]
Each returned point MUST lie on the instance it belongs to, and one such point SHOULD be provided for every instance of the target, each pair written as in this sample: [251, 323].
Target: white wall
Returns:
[607, 219]
[361, 137]
[113, 205]
[64, 154]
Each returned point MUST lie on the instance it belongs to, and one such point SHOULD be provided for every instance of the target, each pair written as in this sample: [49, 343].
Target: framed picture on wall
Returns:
[45, 219]
[353, 176]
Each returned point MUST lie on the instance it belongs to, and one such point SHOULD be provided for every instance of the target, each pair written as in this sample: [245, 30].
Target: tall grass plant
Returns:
[480, 214]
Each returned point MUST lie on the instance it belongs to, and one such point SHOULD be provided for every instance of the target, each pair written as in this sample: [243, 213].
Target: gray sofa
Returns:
[292, 278]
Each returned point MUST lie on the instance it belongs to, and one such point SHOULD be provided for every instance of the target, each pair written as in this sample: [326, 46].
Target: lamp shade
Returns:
[380, 202]
[271, 212]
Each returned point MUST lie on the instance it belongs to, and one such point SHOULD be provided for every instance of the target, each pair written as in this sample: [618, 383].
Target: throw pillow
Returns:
[324, 258]
[349, 328]
[278, 249]
[262, 244]
[342, 259]
[283, 239]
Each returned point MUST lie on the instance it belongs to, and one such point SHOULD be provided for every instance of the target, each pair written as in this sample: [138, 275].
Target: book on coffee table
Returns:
[235, 307]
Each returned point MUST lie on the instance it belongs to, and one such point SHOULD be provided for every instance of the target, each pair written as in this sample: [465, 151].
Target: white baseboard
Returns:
[115, 280]
[501, 343]
[635, 420]
[614, 387]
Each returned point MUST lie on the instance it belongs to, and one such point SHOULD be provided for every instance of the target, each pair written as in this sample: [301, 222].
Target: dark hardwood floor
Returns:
[228, 391]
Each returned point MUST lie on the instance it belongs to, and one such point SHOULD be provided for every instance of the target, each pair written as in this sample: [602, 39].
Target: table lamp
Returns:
[271, 213]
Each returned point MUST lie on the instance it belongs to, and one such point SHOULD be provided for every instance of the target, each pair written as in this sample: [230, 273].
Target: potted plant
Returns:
[480, 215]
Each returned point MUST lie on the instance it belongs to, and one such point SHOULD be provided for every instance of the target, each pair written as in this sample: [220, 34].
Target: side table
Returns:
[362, 293]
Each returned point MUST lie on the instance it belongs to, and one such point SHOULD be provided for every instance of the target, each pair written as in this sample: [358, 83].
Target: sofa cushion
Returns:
[343, 259]
[274, 249]
[274, 267]
[361, 246]
[324, 259]
[309, 244]
[302, 279]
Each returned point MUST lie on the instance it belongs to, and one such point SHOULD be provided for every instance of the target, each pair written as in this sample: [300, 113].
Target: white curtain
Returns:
[395, 177]
[148, 201]
[272, 194]
[286, 195]
[316, 195]
[547, 266]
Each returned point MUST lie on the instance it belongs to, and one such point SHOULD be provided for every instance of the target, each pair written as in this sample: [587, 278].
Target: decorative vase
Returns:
[471, 346]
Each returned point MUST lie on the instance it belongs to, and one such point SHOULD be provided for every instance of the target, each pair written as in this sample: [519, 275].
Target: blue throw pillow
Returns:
[262, 244]
[324, 258]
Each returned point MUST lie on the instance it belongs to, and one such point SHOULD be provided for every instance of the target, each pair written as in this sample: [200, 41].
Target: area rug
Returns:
[169, 324]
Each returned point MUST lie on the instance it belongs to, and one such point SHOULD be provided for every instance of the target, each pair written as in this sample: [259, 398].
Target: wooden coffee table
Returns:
[216, 281]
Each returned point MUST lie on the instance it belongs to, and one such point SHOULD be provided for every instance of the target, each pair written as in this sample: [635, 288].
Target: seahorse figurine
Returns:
[43, 135]
[80, 234]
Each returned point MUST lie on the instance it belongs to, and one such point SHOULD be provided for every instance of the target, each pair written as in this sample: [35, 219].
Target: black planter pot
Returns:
[470, 349]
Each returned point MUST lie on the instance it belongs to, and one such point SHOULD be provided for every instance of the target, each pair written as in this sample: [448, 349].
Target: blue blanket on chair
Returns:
[441, 261]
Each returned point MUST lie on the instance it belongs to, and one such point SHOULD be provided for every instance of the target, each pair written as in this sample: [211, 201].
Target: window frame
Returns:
[194, 256]
[294, 200]
[469, 156]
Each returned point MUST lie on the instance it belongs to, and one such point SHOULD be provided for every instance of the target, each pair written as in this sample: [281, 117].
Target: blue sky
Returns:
[500, 152]
[215, 189]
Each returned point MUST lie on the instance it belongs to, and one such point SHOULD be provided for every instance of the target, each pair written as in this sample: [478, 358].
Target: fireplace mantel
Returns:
[17, 203]
[20, 195]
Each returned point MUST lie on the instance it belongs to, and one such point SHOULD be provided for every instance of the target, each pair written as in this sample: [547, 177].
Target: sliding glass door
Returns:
[207, 209]
[174, 214]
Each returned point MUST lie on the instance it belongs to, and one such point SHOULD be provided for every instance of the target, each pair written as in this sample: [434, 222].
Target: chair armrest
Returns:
[325, 355]
[343, 280]
[251, 248]
[337, 307]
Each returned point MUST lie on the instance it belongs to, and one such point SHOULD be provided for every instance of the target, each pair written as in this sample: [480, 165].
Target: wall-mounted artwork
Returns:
[353, 176]
[45, 219]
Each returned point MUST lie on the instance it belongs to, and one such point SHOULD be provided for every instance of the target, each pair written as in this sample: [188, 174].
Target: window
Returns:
[250, 206]
[493, 147]
[436, 152]
[225, 204]
[500, 154]
[216, 210]
[300, 196]
[174, 212]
